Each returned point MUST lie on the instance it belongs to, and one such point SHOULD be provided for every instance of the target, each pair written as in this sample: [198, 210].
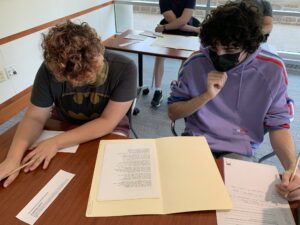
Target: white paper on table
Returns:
[46, 134]
[178, 42]
[129, 43]
[35, 208]
[129, 172]
[152, 34]
[135, 37]
[255, 200]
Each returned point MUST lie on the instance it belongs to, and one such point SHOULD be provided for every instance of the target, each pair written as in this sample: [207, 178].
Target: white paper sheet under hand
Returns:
[255, 200]
[129, 172]
[151, 34]
[135, 37]
[178, 42]
[46, 134]
[35, 208]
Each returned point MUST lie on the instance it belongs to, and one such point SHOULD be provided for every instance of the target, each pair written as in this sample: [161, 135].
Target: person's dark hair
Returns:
[236, 24]
[71, 52]
[265, 7]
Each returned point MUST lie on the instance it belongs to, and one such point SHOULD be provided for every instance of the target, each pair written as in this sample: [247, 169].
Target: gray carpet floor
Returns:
[154, 123]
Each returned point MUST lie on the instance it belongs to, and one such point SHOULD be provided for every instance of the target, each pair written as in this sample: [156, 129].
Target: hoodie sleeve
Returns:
[278, 115]
[180, 88]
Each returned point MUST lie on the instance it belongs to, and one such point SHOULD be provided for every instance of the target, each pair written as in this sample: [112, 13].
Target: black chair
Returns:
[129, 114]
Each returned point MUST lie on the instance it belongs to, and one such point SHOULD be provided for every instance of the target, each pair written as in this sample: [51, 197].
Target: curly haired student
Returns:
[79, 82]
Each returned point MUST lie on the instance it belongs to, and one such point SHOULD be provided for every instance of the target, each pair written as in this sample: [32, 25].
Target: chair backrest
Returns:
[129, 114]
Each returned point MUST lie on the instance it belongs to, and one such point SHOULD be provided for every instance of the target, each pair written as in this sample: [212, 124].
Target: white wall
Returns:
[25, 53]
[124, 17]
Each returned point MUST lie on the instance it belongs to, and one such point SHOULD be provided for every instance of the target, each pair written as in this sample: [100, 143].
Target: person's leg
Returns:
[158, 75]
[158, 71]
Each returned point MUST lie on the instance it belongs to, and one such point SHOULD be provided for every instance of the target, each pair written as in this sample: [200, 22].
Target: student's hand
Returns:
[159, 28]
[197, 30]
[289, 190]
[43, 152]
[215, 82]
[5, 168]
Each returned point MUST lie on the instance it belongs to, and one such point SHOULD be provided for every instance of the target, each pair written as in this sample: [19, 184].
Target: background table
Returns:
[143, 48]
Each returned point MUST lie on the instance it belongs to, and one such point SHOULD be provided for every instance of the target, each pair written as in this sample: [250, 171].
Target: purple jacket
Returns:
[254, 98]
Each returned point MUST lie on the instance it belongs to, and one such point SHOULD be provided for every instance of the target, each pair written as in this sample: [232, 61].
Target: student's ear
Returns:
[267, 25]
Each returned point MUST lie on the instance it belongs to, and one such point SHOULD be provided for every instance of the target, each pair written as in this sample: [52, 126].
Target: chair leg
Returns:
[134, 133]
[173, 128]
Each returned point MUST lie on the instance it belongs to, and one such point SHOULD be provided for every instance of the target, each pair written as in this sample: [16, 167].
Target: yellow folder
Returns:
[189, 180]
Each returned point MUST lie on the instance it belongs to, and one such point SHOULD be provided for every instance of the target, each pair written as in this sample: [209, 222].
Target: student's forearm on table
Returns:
[183, 109]
[175, 24]
[27, 132]
[189, 28]
[86, 132]
[283, 145]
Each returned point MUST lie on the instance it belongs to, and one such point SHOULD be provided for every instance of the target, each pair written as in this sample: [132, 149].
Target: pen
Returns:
[295, 168]
[294, 172]
[19, 168]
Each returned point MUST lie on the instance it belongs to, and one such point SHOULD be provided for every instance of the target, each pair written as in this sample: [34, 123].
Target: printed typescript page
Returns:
[129, 172]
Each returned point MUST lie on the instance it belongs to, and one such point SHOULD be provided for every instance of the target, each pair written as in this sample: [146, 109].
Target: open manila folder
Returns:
[188, 177]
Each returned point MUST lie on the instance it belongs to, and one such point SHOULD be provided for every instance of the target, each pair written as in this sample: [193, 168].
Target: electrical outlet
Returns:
[11, 71]
[2, 76]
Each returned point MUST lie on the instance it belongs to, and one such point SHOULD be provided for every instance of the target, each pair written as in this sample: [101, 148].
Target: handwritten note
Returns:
[35, 208]
[129, 172]
[252, 190]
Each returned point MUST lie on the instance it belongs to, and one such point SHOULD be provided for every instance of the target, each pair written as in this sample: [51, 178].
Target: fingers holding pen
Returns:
[289, 187]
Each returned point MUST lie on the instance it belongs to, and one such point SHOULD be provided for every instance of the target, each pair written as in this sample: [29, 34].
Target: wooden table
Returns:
[70, 206]
[143, 48]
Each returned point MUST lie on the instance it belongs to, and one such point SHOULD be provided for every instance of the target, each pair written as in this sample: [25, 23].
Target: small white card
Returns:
[35, 208]
[46, 134]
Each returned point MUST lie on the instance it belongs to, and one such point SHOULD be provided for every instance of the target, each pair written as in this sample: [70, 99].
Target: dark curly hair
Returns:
[71, 52]
[236, 24]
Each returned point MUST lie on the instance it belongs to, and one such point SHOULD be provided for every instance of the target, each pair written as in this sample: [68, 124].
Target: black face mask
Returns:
[266, 36]
[224, 62]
